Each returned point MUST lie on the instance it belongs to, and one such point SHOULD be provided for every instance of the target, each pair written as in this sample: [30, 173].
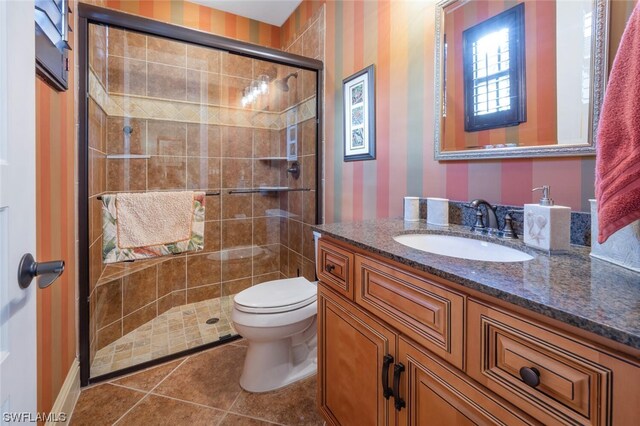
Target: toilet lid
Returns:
[276, 296]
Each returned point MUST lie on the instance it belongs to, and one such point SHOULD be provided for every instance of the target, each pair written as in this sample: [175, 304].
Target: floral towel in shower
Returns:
[113, 249]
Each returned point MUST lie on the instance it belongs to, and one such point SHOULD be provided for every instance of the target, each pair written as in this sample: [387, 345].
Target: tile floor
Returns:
[200, 389]
[179, 328]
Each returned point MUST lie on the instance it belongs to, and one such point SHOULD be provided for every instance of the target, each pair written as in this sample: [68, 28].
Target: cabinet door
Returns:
[353, 350]
[437, 394]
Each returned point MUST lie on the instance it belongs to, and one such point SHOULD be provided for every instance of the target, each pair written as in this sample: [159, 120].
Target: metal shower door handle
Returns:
[48, 272]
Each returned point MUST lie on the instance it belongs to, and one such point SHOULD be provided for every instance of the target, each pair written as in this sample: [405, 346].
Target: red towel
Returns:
[618, 147]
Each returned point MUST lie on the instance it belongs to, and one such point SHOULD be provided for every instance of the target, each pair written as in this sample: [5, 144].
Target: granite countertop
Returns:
[572, 287]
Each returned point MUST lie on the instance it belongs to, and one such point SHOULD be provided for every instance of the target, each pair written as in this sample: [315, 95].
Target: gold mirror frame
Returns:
[598, 78]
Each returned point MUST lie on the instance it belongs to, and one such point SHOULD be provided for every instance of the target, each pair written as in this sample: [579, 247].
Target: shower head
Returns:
[283, 84]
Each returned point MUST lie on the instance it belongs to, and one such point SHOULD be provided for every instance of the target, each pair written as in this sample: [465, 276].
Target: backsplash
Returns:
[460, 214]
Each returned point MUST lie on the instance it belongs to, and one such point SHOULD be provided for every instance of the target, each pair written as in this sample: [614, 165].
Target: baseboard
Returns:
[68, 396]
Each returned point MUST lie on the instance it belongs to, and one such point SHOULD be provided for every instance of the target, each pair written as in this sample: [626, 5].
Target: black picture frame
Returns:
[359, 113]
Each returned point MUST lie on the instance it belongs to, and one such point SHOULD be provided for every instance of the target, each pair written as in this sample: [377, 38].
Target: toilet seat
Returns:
[276, 296]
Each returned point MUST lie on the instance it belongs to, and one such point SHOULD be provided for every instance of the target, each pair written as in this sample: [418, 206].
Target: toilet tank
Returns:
[316, 238]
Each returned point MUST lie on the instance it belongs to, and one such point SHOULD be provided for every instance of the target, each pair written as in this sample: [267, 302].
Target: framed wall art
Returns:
[359, 115]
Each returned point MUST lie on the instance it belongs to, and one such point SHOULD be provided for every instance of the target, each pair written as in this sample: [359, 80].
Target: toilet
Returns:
[278, 320]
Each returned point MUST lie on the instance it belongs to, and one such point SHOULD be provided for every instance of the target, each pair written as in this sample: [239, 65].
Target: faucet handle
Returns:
[478, 227]
[507, 231]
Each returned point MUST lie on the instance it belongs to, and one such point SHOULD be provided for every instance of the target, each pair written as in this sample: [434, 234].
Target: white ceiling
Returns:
[273, 12]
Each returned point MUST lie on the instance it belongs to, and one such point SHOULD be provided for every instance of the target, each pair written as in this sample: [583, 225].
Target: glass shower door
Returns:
[165, 115]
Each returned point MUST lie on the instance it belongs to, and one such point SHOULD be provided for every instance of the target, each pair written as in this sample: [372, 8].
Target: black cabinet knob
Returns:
[329, 267]
[530, 375]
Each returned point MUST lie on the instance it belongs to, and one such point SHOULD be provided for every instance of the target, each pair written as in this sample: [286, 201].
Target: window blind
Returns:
[491, 82]
[52, 29]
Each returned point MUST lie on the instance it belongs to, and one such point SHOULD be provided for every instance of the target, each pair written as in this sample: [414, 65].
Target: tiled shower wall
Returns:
[97, 186]
[247, 236]
[297, 245]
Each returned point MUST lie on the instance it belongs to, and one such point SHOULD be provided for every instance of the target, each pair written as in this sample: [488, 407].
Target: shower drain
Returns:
[212, 320]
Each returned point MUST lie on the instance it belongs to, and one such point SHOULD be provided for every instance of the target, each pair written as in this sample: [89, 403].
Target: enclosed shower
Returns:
[171, 114]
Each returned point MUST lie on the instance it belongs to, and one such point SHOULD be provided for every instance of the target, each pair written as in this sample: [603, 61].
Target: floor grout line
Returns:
[126, 387]
[226, 413]
[170, 373]
[146, 395]
[230, 410]
[235, 400]
[130, 409]
[256, 418]
[187, 402]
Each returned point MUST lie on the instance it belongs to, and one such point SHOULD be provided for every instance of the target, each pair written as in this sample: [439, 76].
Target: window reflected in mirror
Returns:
[494, 77]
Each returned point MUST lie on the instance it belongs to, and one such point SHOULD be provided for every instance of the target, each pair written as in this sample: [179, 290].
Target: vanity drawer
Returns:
[336, 267]
[565, 382]
[421, 309]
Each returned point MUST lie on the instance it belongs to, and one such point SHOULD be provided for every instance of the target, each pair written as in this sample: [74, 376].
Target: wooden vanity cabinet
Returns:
[402, 348]
[353, 351]
[369, 374]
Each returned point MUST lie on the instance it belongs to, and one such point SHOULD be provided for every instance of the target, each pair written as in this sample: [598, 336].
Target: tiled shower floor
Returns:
[179, 328]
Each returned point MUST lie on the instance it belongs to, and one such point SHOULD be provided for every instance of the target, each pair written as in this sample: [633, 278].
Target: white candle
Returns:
[412, 209]
[438, 211]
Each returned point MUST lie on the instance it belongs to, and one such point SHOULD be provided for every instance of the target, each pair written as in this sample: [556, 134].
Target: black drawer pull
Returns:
[329, 267]
[530, 375]
[397, 371]
[386, 390]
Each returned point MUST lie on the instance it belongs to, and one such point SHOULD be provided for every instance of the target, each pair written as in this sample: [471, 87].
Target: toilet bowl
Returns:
[278, 320]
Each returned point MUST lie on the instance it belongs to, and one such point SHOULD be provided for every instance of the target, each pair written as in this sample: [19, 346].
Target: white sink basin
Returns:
[462, 248]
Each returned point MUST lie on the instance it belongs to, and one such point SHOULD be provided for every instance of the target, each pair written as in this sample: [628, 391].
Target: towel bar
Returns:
[206, 194]
[270, 189]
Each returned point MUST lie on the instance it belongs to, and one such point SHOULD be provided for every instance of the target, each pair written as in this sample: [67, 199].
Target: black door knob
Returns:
[530, 375]
[48, 272]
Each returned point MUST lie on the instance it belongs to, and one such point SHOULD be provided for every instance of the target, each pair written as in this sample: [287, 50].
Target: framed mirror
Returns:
[518, 79]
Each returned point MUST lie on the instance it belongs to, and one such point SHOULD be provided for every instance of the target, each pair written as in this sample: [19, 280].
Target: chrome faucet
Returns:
[492, 226]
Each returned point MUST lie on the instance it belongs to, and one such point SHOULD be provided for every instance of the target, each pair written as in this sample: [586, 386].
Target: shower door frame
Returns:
[89, 14]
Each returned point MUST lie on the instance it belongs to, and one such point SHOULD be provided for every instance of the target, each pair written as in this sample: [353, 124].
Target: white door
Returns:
[18, 393]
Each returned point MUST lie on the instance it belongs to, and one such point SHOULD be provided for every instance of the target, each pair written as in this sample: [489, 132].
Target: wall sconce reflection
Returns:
[257, 88]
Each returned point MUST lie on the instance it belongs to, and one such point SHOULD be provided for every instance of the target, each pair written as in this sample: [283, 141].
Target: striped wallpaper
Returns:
[199, 17]
[398, 37]
[55, 219]
[55, 236]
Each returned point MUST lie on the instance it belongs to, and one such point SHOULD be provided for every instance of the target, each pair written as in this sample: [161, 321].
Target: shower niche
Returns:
[173, 115]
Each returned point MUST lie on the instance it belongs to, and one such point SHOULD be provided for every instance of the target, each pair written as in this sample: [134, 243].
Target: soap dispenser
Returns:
[547, 226]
